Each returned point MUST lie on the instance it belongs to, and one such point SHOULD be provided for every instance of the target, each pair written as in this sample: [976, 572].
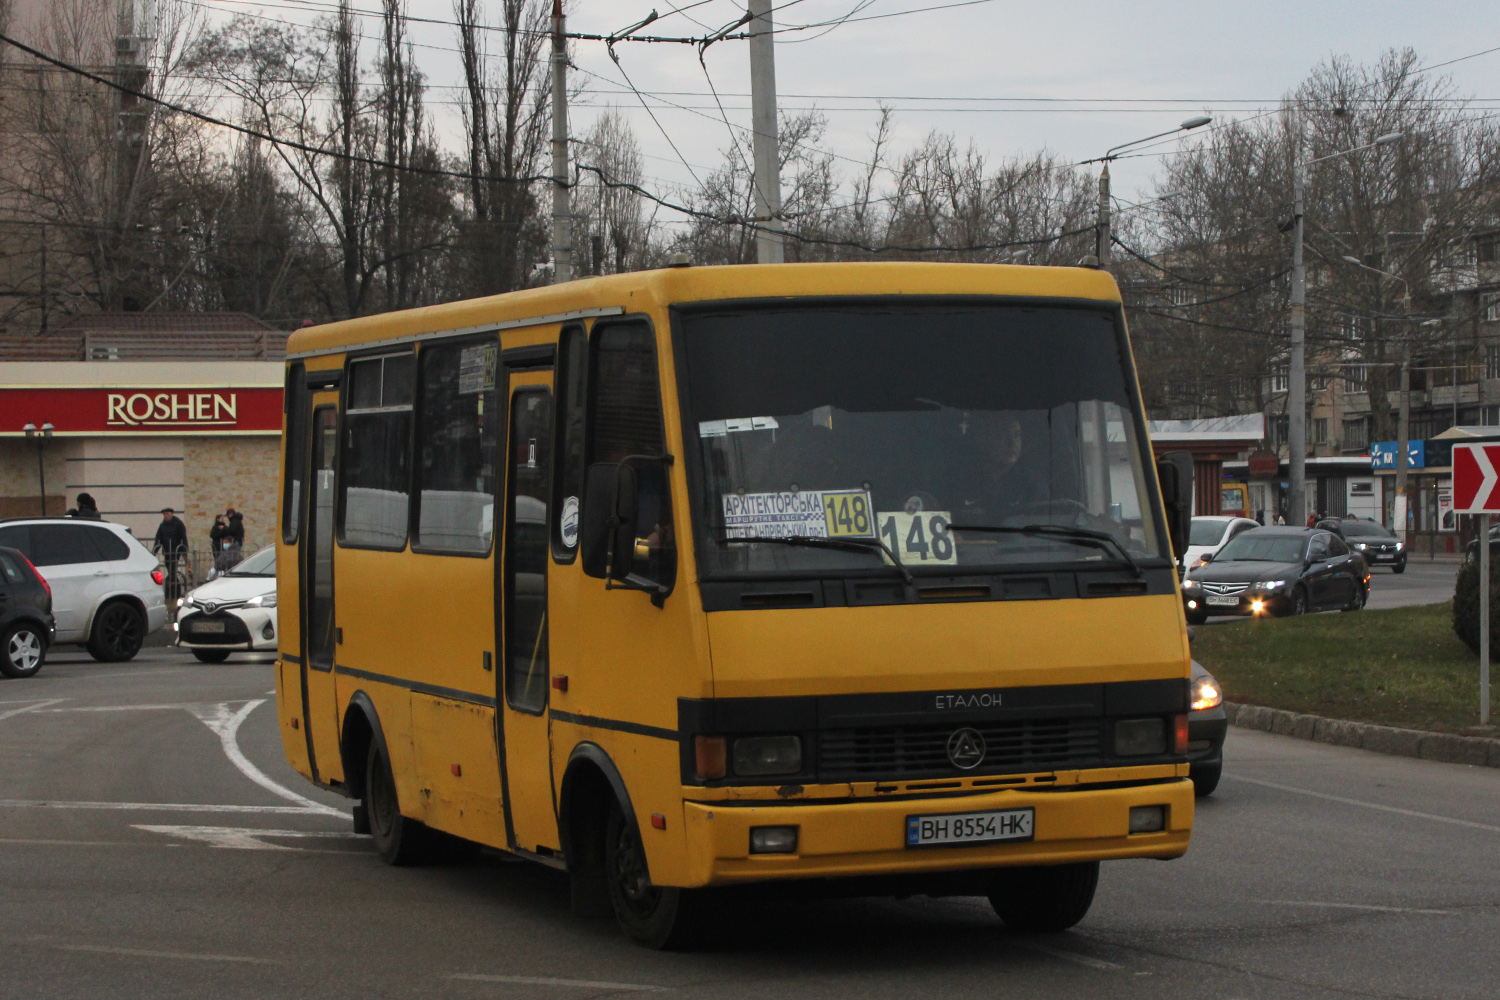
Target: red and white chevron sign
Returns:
[1476, 473]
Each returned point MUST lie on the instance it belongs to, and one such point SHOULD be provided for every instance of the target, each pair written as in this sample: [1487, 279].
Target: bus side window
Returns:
[625, 423]
[295, 403]
[375, 467]
[567, 493]
[456, 447]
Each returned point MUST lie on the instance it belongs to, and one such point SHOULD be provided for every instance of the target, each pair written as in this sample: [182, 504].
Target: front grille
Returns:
[893, 752]
[235, 632]
[1225, 589]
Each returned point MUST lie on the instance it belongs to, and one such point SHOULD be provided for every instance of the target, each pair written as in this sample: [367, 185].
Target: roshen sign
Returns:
[173, 408]
[149, 409]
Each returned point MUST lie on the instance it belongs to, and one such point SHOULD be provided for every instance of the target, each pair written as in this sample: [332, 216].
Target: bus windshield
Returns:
[890, 429]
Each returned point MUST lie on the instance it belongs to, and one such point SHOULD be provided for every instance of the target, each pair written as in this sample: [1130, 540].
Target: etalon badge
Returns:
[966, 748]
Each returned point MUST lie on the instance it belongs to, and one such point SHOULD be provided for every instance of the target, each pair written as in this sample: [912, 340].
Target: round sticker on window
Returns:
[568, 523]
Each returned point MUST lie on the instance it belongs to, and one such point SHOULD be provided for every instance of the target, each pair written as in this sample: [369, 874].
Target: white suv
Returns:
[106, 588]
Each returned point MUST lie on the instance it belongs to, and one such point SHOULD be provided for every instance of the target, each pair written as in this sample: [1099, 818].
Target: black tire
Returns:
[1298, 603]
[1399, 568]
[23, 650]
[398, 840]
[211, 655]
[1206, 778]
[119, 629]
[1361, 595]
[1197, 617]
[653, 916]
[1045, 899]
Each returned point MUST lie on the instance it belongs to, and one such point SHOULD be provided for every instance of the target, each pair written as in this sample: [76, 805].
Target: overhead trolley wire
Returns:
[604, 178]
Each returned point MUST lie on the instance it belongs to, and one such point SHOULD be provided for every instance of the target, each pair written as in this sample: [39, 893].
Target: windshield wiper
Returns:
[847, 544]
[1078, 536]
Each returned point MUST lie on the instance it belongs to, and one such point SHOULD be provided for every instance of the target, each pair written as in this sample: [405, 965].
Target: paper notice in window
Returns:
[476, 369]
[805, 514]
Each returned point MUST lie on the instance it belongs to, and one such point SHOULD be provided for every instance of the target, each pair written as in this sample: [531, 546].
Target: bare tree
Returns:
[506, 118]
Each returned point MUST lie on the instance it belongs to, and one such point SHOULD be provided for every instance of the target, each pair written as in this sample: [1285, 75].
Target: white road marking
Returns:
[243, 838]
[584, 984]
[164, 807]
[35, 706]
[1366, 805]
[225, 725]
[181, 955]
[195, 708]
[1069, 956]
[1356, 906]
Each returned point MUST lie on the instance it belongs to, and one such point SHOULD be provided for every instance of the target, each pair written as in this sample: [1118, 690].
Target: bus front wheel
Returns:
[1044, 899]
[654, 916]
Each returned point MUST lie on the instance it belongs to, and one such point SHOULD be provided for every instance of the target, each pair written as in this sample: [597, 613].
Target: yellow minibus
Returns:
[858, 577]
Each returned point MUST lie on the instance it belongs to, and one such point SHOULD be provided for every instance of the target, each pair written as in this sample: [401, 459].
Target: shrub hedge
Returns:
[1466, 609]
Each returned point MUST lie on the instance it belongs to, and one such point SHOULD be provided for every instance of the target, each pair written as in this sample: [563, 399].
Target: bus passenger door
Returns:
[320, 705]
[524, 682]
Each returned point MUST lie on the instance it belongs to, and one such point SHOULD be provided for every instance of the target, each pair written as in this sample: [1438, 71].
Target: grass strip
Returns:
[1403, 667]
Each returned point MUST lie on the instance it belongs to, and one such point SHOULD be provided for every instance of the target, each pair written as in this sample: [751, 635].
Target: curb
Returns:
[1477, 751]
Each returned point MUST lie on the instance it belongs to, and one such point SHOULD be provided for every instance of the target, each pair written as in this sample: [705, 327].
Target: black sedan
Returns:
[26, 627]
[1278, 571]
[1207, 726]
[1377, 543]
[1471, 551]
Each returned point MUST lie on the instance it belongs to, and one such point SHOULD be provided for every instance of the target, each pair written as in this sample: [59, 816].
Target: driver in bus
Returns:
[997, 483]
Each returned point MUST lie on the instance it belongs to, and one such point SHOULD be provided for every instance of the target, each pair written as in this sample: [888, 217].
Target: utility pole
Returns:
[770, 246]
[1296, 397]
[1403, 429]
[1103, 225]
[562, 201]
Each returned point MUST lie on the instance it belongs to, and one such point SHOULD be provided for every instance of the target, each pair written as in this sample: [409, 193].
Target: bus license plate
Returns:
[208, 626]
[1224, 599]
[970, 828]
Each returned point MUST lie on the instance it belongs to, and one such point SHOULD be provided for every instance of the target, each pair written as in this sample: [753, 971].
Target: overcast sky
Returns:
[1110, 72]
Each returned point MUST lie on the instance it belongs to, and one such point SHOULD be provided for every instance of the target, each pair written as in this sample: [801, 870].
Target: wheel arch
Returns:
[361, 728]
[129, 597]
[589, 780]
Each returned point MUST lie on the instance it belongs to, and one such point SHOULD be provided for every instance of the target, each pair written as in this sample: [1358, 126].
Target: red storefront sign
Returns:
[142, 411]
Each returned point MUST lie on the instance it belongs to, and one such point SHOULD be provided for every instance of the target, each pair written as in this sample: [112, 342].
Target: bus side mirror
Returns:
[1174, 471]
[606, 531]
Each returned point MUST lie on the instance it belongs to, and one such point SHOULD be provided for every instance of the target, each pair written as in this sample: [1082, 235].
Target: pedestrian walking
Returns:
[86, 510]
[171, 543]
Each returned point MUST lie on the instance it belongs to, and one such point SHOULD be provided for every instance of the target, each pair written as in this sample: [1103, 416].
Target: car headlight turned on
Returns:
[1270, 584]
[263, 601]
[766, 755]
[1206, 694]
[1140, 737]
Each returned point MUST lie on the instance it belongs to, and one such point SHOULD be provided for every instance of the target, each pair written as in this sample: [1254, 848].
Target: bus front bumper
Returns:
[866, 837]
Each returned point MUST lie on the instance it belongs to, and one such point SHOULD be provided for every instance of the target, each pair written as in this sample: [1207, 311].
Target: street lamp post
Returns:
[1296, 403]
[40, 435]
[1101, 258]
[1403, 425]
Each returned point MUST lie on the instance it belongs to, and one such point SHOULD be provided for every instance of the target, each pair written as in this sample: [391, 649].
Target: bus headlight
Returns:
[1140, 737]
[756, 755]
[773, 840]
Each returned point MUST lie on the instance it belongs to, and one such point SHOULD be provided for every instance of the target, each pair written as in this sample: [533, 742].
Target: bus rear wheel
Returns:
[1044, 899]
[398, 840]
[654, 916]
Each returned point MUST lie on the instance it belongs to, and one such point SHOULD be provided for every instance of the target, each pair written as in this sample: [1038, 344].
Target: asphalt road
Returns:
[153, 844]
